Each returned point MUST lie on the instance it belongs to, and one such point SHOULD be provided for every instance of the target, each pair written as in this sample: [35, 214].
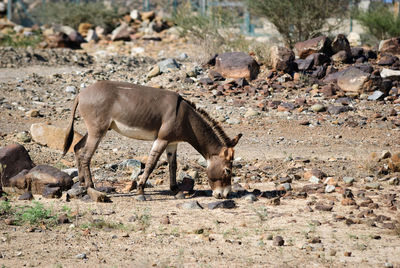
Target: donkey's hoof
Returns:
[140, 197]
[180, 195]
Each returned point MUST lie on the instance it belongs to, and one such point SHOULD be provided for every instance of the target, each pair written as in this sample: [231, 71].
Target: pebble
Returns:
[329, 188]
[348, 180]
[318, 108]
[228, 204]
[72, 172]
[373, 185]
[250, 198]
[347, 254]
[70, 89]
[376, 95]
[278, 241]
[287, 186]
[251, 113]
[394, 181]
[32, 113]
[190, 205]
[81, 256]
[314, 179]
[233, 121]
[154, 72]
[23, 136]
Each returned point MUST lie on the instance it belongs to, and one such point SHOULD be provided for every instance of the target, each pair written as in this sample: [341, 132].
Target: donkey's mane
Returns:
[224, 139]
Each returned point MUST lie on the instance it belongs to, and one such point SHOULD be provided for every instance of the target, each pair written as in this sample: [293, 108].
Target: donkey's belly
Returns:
[133, 132]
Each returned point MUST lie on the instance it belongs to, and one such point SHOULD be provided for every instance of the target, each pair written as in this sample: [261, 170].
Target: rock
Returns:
[190, 205]
[233, 121]
[387, 60]
[389, 73]
[13, 159]
[347, 254]
[323, 207]
[348, 202]
[33, 113]
[98, 196]
[318, 108]
[373, 185]
[352, 80]
[318, 58]
[276, 201]
[122, 32]
[390, 46]
[132, 165]
[282, 59]
[304, 65]
[84, 28]
[354, 39]
[377, 95]
[148, 15]
[40, 177]
[236, 65]
[329, 188]
[250, 198]
[52, 192]
[92, 36]
[228, 204]
[77, 192]
[168, 64]
[348, 180]
[338, 109]
[72, 172]
[251, 113]
[314, 172]
[26, 196]
[394, 181]
[52, 136]
[186, 185]
[286, 186]
[340, 43]
[23, 136]
[341, 57]
[135, 14]
[315, 45]
[394, 162]
[278, 241]
[81, 256]
[63, 219]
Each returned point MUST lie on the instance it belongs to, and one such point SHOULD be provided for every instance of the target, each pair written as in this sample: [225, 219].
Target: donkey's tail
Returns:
[70, 130]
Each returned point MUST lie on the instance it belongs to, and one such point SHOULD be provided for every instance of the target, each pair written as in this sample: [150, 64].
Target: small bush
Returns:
[379, 20]
[12, 39]
[72, 14]
[215, 32]
[35, 215]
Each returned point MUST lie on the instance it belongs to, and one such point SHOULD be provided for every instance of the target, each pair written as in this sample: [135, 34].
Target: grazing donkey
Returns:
[151, 114]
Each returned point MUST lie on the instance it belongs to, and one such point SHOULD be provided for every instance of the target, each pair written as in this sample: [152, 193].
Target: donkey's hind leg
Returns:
[92, 142]
[78, 158]
[171, 156]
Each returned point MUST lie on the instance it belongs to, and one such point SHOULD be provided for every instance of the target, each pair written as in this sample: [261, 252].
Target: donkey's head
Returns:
[219, 170]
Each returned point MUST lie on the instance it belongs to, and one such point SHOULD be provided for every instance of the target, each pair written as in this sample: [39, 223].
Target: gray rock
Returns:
[348, 180]
[278, 241]
[72, 172]
[168, 64]
[26, 196]
[394, 181]
[251, 113]
[228, 204]
[352, 79]
[250, 197]
[133, 165]
[81, 256]
[287, 186]
[70, 89]
[202, 161]
[77, 192]
[376, 95]
[329, 188]
[389, 73]
[373, 185]
[314, 179]
[23, 136]
[233, 121]
[190, 205]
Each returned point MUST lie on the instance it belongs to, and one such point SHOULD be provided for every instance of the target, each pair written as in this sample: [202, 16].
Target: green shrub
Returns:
[35, 215]
[217, 31]
[12, 39]
[380, 21]
[72, 14]
[301, 19]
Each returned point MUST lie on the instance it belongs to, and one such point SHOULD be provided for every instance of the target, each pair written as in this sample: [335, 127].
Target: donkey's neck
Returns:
[201, 135]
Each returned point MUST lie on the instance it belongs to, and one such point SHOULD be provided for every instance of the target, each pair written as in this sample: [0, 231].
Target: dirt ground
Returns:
[275, 144]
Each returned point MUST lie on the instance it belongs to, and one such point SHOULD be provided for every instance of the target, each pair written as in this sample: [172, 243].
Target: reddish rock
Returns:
[40, 177]
[394, 162]
[236, 65]
[341, 43]
[390, 46]
[14, 158]
[122, 32]
[282, 59]
[315, 45]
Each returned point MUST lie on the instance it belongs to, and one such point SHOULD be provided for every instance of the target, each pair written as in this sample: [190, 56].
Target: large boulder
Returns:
[320, 44]
[236, 65]
[52, 136]
[390, 46]
[39, 178]
[282, 59]
[353, 79]
[14, 158]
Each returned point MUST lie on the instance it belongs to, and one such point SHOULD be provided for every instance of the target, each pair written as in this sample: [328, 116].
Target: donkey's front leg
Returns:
[155, 153]
[171, 156]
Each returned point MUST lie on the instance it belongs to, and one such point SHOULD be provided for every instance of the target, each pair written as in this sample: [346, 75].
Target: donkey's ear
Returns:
[235, 140]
